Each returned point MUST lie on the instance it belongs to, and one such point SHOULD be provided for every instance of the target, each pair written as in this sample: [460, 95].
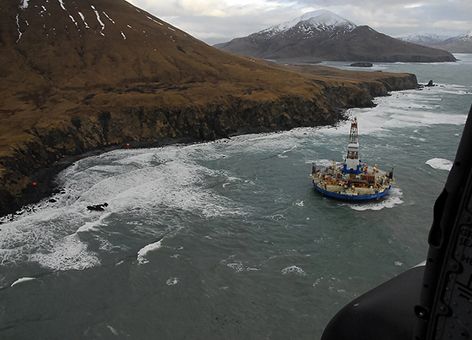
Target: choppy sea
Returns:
[228, 240]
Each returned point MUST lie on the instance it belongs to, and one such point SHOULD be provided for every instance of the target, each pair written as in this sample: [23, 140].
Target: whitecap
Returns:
[252, 269]
[421, 139]
[277, 217]
[172, 281]
[113, 330]
[403, 109]
[236, 266]
[93, 225]
[142, 253]
[323, 162]
[440, 164]
[284, 153]
[21, 280]
[293, 270]
[393, 199]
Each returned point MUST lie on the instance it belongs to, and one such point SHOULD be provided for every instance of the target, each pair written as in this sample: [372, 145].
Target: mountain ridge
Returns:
[340, 40]
[455, 44]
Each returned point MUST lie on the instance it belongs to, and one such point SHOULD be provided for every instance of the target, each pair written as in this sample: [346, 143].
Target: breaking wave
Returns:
[393, 199]
[440, 164]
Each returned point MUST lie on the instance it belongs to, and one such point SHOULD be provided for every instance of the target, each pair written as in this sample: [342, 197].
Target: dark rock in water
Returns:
[52, 200]
[430, 84]
[362, 64]
[98, 207]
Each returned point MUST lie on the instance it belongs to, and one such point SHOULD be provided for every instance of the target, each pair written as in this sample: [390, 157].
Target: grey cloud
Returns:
[394, 18]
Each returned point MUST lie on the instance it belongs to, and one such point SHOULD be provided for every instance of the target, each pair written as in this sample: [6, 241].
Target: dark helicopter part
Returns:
[384, 313]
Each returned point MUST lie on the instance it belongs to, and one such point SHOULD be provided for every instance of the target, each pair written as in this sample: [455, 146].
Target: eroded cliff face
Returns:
[26, 174]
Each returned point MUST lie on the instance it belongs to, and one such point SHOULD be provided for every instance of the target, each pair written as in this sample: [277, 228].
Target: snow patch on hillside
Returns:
[108, 17]
[83, 19]
[157, 22]
[99, 20]
[24, 4]
[73, 20]
[61, 2]
[18, 28]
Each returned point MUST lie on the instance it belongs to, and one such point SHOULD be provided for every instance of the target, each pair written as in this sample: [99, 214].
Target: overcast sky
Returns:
[215, 21]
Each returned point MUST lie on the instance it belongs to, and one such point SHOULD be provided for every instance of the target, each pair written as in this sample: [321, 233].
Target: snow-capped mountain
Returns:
[456, 44]
[424, 38]
[321, 20]
[324, 35]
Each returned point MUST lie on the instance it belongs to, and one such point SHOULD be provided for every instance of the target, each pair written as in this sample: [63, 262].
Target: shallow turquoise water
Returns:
[228, 239]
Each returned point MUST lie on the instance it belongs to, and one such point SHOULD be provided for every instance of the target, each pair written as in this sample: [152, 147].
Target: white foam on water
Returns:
[440, 164]
[48, 236]
[22, 280]
[142, 253]
[277, 217]
[252, 269]
[70, 253]
[284, 153]
[393, 199]
[410, 108]
[113, 330]
[93, 225]
[317, 282]
[300, 203]
[236, 266]
[155, 177]
[420, 139]
[293, 270]
[323, 162]
[172, 281]
[276, 144]
[152, 180]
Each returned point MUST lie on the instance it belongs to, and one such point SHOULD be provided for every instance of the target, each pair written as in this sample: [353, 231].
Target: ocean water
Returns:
[228, 240]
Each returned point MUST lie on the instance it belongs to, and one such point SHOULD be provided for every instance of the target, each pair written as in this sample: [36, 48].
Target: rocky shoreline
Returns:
[28, 174]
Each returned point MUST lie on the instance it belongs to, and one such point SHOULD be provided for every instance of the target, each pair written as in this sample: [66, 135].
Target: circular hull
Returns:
[352, 198]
